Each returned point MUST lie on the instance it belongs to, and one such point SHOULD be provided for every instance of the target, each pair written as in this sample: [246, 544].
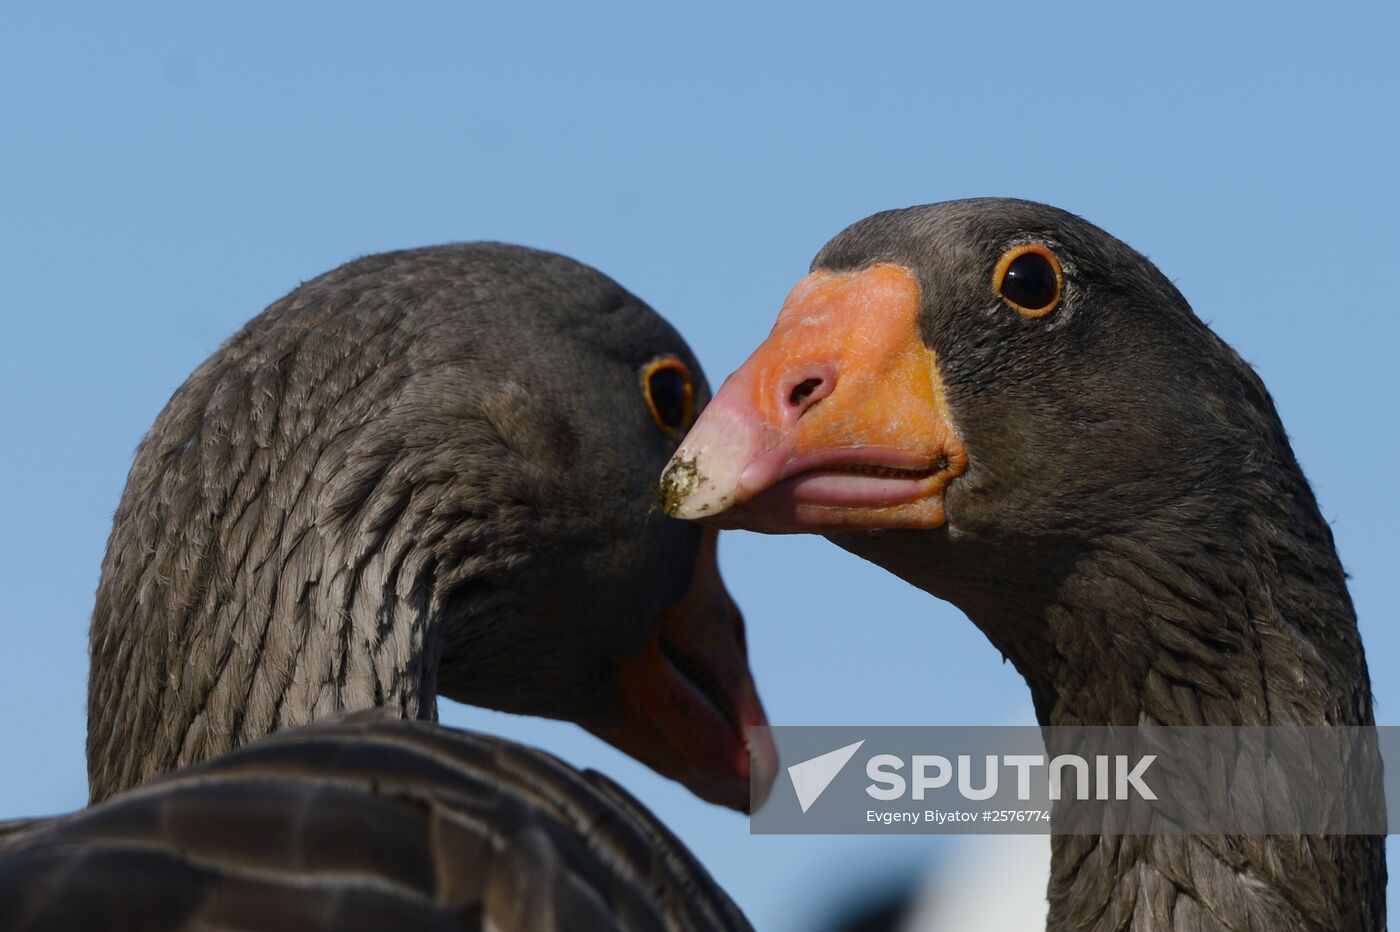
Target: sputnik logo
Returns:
[811, 777]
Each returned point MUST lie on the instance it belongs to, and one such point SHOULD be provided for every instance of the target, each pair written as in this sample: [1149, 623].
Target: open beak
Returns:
[837, 422]
[688, 702]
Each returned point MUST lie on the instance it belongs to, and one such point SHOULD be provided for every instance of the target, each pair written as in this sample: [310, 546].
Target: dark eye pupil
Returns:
[668, 396]
[1030, 281]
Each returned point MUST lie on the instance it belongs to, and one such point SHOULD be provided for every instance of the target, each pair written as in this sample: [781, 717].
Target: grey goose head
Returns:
[424, 472]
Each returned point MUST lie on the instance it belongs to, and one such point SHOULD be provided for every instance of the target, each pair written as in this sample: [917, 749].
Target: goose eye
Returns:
[670, 395]
[1029, 278]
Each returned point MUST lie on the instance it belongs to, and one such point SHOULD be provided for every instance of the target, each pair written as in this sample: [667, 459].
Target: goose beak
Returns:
[837, 422]
[689, 705]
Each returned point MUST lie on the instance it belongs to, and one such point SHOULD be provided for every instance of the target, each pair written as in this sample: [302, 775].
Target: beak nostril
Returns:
[803, 390]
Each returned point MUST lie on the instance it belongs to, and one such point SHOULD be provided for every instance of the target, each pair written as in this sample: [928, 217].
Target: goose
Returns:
[1014, 411]
[427, 472]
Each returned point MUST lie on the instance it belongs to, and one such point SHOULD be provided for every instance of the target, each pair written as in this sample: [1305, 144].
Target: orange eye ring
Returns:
[670, 395]
[1028, 277]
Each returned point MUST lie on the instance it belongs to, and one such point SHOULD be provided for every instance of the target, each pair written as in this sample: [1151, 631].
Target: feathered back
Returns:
[365, 823]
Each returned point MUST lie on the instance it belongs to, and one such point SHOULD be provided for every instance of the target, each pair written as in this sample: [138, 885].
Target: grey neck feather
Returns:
[1254, 630]
[277, 621]
[1244, 620]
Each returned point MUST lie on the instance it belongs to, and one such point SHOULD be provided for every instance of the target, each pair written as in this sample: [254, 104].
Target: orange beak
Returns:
[688, 698]
[837, 422]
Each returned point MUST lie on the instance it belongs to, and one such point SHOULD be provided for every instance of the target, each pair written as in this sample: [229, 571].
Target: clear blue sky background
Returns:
[167, 170]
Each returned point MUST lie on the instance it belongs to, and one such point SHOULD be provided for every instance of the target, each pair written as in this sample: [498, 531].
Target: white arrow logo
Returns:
[811, 777]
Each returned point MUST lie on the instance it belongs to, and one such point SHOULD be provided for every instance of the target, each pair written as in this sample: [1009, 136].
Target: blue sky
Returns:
[168, 170]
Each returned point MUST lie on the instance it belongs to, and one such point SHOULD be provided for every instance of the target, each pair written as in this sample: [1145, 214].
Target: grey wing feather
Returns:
[368, 824]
